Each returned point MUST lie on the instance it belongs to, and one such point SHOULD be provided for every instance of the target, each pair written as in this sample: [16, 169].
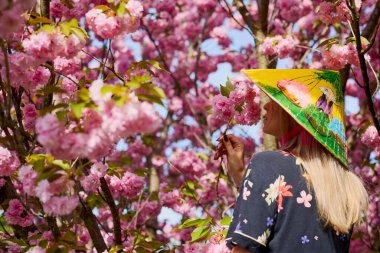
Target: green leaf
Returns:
[226, 90]
[120, 9]
[156, 65]
[61, 164]
[127, 160]
[188, 192]
[61, 115]
[40, 20]
[43, 243]
[140, 250]
[107, 89]
[330, 41]
[190, 185]
[103, 7]
[77, 109]
[69, 237]
[190, 223]
[203, 156]
[65, 28]
[226, 221]
[51, 108]
[150, 98]
[199, 233]
[84, 95]
[47, 28]
[49, 89]
[94, 200]
[79, 33]
[148, 140]
[116, 249]
[52, 249]
[20, 242]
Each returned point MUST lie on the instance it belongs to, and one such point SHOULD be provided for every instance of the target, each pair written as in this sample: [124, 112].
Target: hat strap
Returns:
[306, 138]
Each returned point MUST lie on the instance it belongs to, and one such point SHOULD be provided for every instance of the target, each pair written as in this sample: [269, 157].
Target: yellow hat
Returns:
[313, 98]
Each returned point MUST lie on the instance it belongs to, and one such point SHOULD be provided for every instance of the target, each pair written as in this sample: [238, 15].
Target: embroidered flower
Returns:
[246, 193]
[277, 191]
[305, 199]
[264, 237]
[269, 221]
[238, 227]
[304, 239]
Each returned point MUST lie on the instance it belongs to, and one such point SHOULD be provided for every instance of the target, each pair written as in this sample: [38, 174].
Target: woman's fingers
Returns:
[220, 151]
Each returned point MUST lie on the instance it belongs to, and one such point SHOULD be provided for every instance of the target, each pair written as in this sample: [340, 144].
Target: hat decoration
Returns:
[313, 98]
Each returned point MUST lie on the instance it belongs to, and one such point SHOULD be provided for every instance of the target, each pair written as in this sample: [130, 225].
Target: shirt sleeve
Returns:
[256, 206]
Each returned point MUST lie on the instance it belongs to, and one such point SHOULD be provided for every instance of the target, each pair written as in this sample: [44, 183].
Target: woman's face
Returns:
[272, 122]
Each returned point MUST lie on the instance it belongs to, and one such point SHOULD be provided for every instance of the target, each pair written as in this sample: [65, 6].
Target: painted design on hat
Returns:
[313, 98]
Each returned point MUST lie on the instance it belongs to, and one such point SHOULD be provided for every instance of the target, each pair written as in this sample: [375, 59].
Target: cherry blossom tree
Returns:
[108, 117]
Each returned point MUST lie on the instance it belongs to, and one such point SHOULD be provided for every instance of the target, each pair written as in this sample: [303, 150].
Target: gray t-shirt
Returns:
[275, 211]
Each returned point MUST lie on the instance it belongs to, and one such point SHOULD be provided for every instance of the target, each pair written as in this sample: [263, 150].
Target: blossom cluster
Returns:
[241, 104]
[331, 13]
[45, 45]
[283, 46]
[371, 138]
[337, 56]
[9, 162]
[102, 128]
[108, 25]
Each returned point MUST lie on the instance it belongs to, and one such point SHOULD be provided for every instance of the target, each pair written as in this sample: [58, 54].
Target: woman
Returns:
[301, 198]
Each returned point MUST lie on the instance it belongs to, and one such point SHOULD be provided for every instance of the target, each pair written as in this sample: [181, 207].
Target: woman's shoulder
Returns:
[274, 162]
[273, 157]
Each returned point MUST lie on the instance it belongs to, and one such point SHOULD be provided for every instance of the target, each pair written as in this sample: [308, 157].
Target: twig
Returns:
[229, 11]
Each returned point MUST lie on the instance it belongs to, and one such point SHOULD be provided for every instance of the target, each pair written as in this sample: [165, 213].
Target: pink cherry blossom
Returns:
[15, 214]
[8, 162]
[223, 107]
[60, 205]
[104, 25]
[371, 137]
[30, 116]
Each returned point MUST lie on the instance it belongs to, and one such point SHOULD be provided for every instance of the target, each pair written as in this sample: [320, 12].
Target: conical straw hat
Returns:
[313, 98]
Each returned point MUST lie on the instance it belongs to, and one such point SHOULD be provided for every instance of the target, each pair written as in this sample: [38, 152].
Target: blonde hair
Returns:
[340, 195]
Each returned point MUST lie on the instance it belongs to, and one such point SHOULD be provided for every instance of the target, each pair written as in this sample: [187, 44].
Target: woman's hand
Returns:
[233, 148]
[238, 249]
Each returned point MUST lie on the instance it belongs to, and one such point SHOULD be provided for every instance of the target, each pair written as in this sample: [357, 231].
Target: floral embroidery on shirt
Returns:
[304, 199]
[269, 221]
[264, 237]
[277, 191]
[304, 239]
[238, 227]
[246, 193]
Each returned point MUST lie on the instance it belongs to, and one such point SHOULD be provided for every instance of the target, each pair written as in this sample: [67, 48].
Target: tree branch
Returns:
[114, 210]
[363, 66]
[92, 227]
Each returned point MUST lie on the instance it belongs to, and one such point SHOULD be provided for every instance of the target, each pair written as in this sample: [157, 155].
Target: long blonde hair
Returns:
[340, 195]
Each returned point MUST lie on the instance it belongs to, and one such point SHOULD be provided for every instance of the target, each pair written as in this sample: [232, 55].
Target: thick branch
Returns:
[363, 67]
[45, 8]
[248, 19]
[114, 210]
[263, 6]
[259, 35]
[373, 21]
[93, 229]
